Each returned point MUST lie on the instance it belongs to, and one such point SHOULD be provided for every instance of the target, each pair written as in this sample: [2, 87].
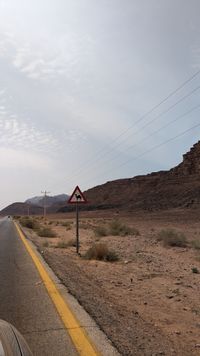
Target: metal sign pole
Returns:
[77, 228]
[77, 198]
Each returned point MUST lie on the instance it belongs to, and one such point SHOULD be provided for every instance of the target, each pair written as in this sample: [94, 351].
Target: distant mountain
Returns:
[35, 205]
[50, 200]
[21, 209]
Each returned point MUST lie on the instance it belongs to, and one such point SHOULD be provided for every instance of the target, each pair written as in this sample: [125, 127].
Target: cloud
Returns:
[21, 159]
[21, 134]
[64, 55]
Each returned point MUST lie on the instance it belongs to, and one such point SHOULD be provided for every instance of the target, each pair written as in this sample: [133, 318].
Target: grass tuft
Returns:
[100, 231]
[196, 244]
[28, 222]
[62, 244]
[119, 229]
[71, 243]
[195, 270]
[170, 237]
[46, 232]
[100, 251]
[66, 224]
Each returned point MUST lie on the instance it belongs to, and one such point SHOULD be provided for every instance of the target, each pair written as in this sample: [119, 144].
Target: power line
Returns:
[94, 157]
[158, 130]
[152, 149]
[140, 129]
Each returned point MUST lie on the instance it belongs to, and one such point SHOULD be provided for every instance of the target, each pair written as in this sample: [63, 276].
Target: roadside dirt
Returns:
[147, 302]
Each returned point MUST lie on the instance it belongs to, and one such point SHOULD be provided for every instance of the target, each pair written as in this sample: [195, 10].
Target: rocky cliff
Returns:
[178, 187]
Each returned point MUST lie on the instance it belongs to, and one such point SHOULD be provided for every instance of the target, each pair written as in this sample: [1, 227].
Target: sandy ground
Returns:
[147, 302]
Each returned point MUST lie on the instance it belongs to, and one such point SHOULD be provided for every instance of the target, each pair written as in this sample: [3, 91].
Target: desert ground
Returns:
[146, 299]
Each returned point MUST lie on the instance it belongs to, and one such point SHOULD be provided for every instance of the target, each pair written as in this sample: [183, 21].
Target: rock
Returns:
[178, 283]
[197, 345]
[177, 332]
[119, 283]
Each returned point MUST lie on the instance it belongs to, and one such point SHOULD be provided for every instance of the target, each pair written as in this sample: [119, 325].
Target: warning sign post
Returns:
[77, 198]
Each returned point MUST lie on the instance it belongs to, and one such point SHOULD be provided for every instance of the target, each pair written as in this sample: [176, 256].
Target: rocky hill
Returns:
[178, 187]
[35, 205]
[49, 200]
[21, 209]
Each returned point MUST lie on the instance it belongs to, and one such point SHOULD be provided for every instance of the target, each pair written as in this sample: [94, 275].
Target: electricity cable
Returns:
[141, 118]
[151, 149]
[84, 168]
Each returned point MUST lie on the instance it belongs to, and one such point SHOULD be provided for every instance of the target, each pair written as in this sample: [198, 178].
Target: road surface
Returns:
[24, 301]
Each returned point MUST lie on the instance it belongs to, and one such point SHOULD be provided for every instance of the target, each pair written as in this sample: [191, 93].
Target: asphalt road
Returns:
[24, 301]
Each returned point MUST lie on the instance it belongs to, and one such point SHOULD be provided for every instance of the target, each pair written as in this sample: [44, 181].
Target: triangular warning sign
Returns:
[77, 197]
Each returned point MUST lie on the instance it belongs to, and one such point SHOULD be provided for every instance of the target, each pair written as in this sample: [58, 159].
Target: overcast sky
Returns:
[76, 77]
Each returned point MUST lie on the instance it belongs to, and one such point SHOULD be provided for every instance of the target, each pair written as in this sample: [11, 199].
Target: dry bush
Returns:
[195, 270]
[100, 231]
[196, 244]
[84, 226]
[71, 243]
[172, 238]
[100, 251]
[46, 232]
[119, 229]
[61, 244]
[45, 244]
[66, 224]
[29, 223]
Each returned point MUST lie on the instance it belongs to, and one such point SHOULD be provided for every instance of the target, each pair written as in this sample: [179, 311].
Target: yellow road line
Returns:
[78, 335]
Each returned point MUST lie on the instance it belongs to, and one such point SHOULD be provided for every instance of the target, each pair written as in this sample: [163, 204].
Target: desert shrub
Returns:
[29, 223]
[100, 251]
[17, 217]
[116, 228]
[84, 226]
[100, 231]
[71, 243]
[61, 244]
[171, 237]
[46, 232]
[66, 224]
[196, 244]
[45, 244]
[195, 270]
[112, 256]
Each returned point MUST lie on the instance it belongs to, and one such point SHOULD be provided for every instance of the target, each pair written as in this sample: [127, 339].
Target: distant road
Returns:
[24, 301]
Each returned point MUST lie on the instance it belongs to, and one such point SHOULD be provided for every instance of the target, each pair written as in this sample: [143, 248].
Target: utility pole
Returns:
[45, 203]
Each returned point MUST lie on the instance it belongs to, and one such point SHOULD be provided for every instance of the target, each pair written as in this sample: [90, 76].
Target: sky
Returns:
[81, 82]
